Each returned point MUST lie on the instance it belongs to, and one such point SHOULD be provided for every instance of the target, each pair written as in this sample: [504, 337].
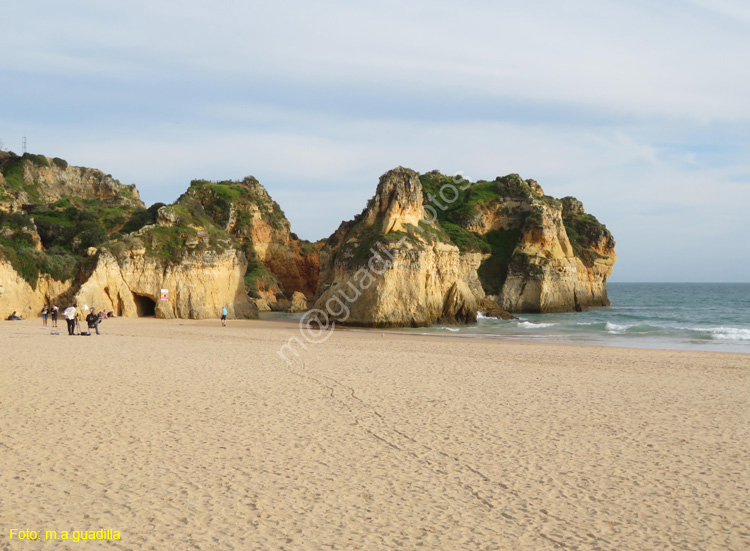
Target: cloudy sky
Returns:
[639, 108]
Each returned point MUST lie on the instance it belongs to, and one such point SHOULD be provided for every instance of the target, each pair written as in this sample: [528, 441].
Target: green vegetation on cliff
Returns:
[259, 278]
[62, 231]
[218, 197]
[12, 169]
[584, 231]
[494, 270]
[54, 238]
[463, 209]
[18, 246]
[459, 204]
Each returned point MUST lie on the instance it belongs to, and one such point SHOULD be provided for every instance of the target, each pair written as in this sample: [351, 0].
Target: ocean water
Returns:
[694, 316]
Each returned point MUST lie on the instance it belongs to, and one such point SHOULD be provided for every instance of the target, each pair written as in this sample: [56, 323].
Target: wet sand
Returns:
[185, 435]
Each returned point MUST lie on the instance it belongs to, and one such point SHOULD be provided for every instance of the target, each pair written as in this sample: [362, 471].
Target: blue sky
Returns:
[638, 108]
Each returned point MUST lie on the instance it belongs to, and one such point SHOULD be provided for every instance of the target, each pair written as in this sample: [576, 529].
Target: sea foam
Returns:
[530, 325]
[729, 333]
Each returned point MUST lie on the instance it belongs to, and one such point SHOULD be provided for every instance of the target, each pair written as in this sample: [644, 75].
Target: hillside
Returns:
[59, 225]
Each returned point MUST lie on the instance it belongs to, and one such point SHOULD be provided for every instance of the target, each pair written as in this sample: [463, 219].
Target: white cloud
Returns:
[624, 57]
[639, 109]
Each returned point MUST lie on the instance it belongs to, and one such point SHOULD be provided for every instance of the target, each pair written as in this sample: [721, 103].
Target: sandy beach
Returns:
[185, 435]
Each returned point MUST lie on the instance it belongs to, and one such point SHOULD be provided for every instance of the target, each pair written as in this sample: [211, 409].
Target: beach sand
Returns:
[182, 435]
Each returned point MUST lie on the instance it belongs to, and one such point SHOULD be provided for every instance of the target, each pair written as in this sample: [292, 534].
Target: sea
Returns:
[676, 316]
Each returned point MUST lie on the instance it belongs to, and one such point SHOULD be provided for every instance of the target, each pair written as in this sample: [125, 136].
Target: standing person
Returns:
[223, 316]
[70, 316]
[93, 320]
[45, 313]
[54, 312]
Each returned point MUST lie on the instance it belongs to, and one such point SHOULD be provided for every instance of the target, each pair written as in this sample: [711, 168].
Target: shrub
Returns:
[60, 163]
[38, 160]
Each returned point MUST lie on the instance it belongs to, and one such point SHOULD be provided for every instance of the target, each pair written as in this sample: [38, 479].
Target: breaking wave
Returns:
[530, 325]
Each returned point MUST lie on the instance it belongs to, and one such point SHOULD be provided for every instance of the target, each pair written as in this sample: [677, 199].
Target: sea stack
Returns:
[390, 268]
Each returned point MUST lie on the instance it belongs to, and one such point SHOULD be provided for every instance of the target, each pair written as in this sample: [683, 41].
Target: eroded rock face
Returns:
[250, 215]
[298, 302]
[543, 270]
[547, 272]
[388, 267]
[17, 295]
[384, 270]
[546, 255]
[48, 180]
[130, 285]
[397, 203]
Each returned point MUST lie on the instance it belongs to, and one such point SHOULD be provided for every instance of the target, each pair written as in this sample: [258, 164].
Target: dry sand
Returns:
[186, 435]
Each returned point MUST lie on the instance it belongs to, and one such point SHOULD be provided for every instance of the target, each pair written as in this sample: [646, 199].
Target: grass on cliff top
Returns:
[457, 204]
[170, 243]
[70, 226]
[66, 230]
[356, 249]
[167, 243]
[218, 197]
[29, 263]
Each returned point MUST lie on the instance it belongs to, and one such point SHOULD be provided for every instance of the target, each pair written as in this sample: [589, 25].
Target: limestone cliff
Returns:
[543, 254]
[36, 179]
[61, 240]
[386, 268]
[129, 283]
[280, 264]
[16, 294]
[594, 249]
[426, 249]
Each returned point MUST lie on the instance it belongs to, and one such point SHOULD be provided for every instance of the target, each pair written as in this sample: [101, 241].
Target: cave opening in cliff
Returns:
[144, 306]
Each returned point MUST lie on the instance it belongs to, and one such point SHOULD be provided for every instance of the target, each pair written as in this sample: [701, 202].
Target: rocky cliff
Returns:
[16, 294]
[280, 264]
[35, 179]
[129, 284]
[387, 268]
[543, 254]
[431, 249]
[426, 249]
[63, 239]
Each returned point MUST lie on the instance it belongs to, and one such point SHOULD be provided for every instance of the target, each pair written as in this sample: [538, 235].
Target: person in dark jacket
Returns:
[93, 320]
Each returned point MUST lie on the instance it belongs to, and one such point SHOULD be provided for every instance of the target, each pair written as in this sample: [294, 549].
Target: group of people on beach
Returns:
[92, 318]
[71, 316]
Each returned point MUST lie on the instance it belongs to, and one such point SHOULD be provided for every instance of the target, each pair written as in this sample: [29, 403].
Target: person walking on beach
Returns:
[54, 311]
[45, 313]
[70, 317]
[223, 316]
